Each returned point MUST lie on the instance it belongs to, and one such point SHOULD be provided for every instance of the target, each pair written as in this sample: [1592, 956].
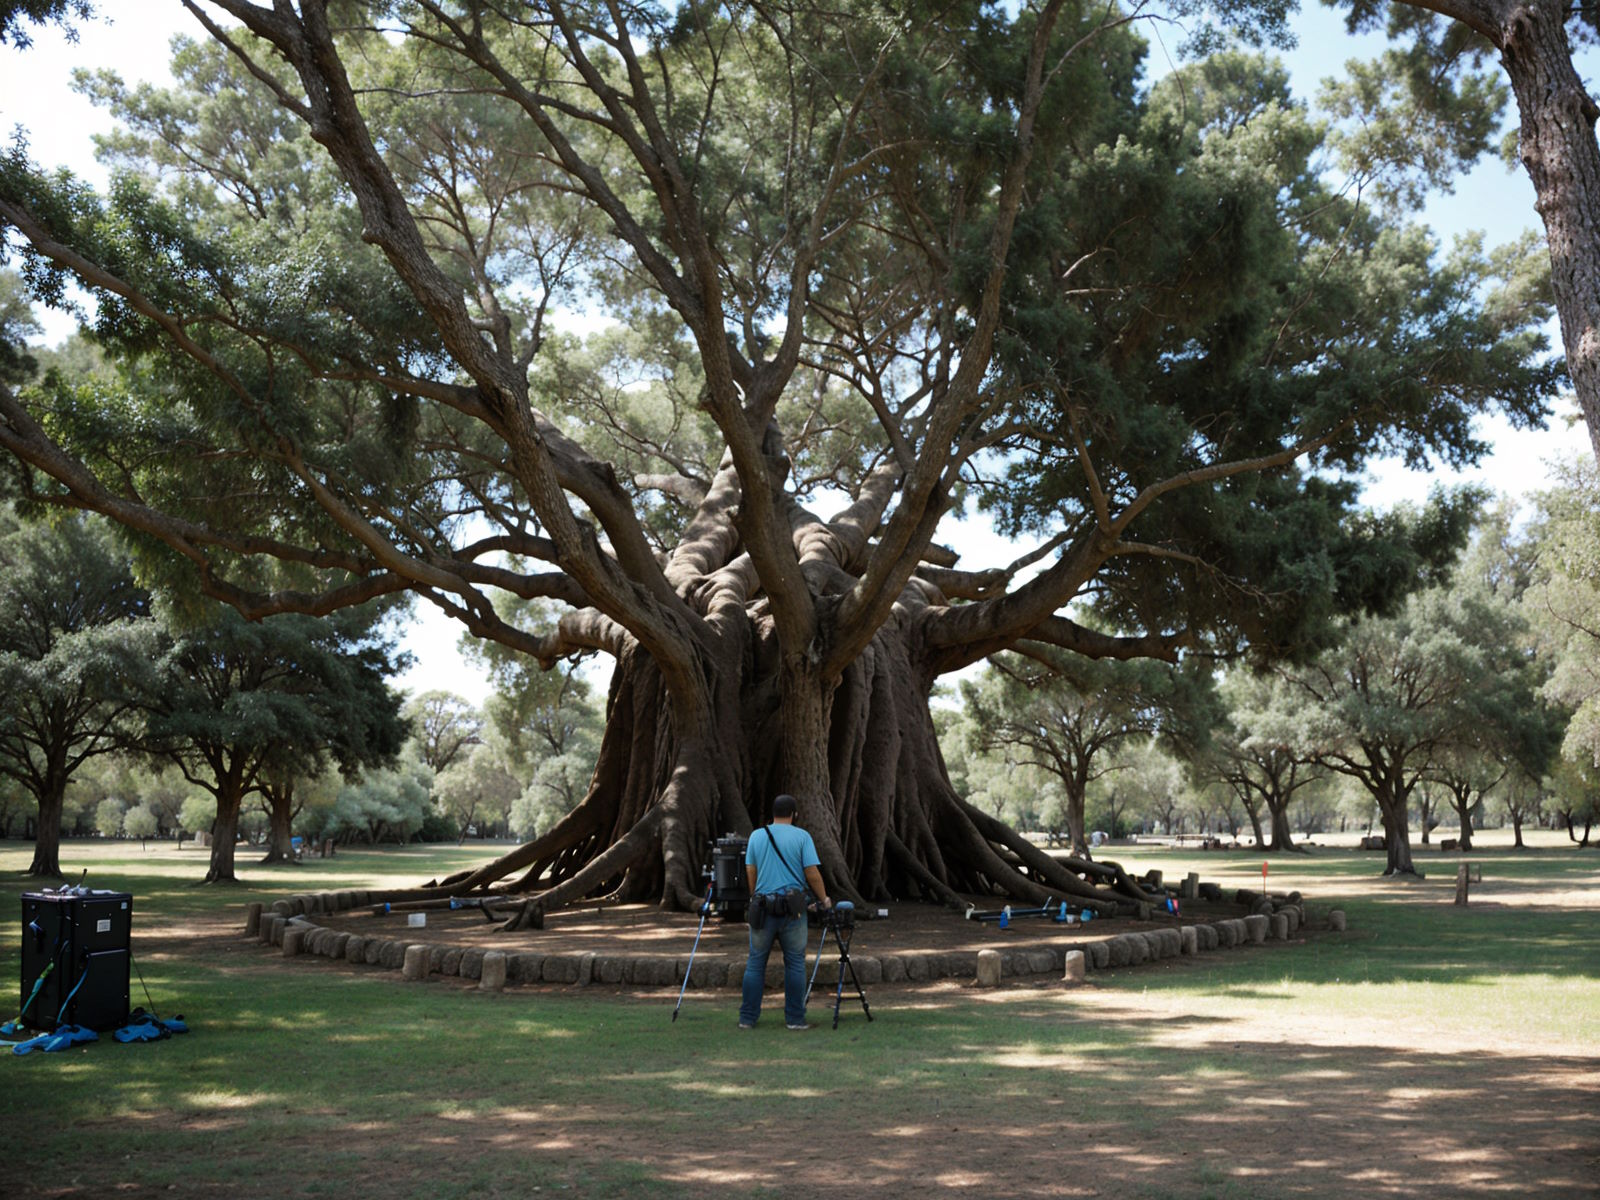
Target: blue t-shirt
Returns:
[772, 875]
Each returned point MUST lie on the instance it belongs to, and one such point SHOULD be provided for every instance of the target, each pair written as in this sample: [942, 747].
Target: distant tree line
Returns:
[1475, 701]
[148, 713]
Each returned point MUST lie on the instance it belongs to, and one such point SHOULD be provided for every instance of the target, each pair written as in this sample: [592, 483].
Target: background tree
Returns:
[140, 822]
[1389, 704]
[108, 817]
[388, 804]
[965, 254]
[245, 703]
[477, 789]
[75, 641]
[1143, 779]
[1562, 601]
[1068, 717]
[445, 725]
[1250, 754]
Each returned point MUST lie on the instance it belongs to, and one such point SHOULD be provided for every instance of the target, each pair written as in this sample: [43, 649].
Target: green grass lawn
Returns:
[1430, 1047]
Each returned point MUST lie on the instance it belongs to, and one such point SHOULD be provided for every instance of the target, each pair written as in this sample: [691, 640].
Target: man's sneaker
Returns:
[803, 1025]
[746, 1025]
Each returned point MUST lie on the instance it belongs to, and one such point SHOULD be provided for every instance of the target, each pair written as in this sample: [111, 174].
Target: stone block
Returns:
[868, 971]
[610, 969]
[1138, 949]
[252, 919]
[1189, 889]
[1188, 940]
[451, 963]
[282, 908]
[585, 969]
[1042, 962]
[1227, 935]
[1336, 920]
[1153, 945]
[1120, 951]
[1294, 917]
[1142, 911]
[1211, 892]
[560, 968]
[916, 967]
[492, 971]
[293, 940]
[1075, 968]
[471, 963]
[894, 968]
[1206, 937]
[1280, 927]
[338, 944]
[355, 950]
[414, 963]
[1099, 954]
[989, 966]
[393, 956]
[1255, 928]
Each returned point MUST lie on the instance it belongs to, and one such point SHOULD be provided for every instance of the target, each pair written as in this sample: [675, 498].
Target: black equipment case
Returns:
[87, 935]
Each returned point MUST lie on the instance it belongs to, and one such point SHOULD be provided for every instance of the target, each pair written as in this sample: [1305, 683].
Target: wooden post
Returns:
[1461, 884]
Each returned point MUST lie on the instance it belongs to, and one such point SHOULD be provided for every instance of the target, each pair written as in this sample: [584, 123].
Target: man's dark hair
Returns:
[785, 806]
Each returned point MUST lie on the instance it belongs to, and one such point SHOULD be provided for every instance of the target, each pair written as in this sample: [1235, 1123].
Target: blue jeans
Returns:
[790, 933]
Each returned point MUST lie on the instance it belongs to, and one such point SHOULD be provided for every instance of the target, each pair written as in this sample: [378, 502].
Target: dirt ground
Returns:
[1363, 1103]
[643, 929]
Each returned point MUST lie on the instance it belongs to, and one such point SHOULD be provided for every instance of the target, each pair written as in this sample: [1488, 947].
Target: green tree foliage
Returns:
[1402, 698]
[445, 725]
[140, 822]
[75, 643]
[1432, 94]
[245, 704]
[1563, 602]
[916, 257]
[1249, 755]
[476, 789]
[388, 804]
[1067, 717]
[108, 817]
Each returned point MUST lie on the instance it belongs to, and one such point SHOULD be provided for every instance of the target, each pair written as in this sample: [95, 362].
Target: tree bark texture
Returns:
[1558, 149]
[860, 754]
[47, 845]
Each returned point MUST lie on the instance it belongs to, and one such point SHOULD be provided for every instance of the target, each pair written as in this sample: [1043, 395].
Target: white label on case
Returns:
[103, 925]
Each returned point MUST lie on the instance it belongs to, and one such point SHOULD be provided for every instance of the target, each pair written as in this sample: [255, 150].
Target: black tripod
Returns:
[842, 933]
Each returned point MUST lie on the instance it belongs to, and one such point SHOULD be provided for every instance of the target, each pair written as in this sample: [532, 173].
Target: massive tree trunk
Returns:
[861, 755]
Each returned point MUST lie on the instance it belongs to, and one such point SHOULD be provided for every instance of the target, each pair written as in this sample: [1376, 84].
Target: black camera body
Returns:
[729, 890]
[841, 916]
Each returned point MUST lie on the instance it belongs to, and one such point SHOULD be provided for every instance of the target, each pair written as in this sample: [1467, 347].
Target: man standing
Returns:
[780, 859]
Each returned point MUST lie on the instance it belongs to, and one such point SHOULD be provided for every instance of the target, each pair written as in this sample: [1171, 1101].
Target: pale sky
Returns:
[35, 97]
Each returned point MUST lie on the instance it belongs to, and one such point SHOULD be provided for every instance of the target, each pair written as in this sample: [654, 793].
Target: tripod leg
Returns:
[705, 909]
[846, 965]
[817, 965]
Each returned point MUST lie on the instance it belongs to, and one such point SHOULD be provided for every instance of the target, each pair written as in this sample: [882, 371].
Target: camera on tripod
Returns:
[841, 916]
[730, 891]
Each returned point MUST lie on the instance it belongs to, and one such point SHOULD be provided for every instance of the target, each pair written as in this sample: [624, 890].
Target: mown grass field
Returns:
[1429, 1050]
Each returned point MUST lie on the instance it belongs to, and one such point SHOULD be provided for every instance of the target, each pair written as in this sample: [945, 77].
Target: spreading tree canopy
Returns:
[244, 705]
[850, 270]
[76, 647]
